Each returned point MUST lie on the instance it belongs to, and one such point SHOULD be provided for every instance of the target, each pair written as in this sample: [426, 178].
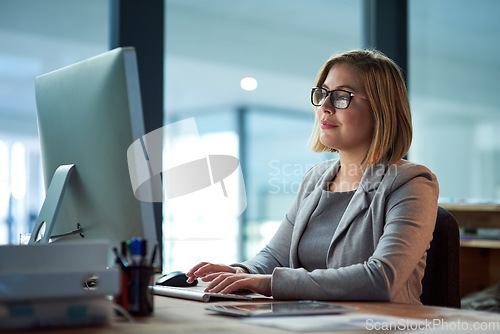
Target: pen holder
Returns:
[137, 294]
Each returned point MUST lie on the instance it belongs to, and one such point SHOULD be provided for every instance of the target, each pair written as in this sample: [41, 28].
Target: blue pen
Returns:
[135, 279]
[136, 251]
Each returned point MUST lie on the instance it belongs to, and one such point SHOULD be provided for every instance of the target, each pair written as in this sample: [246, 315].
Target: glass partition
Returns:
[453, 85]
[36, 37]
[210, 47]
[277, 157]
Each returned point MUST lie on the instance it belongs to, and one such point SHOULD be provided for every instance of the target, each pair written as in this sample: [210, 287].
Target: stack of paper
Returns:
[56, 285]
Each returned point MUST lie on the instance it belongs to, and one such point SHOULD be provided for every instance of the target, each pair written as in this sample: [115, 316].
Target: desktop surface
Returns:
[173, 315]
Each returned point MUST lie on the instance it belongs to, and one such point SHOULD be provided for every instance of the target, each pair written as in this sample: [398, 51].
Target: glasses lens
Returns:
[341, 99]
[318, 95]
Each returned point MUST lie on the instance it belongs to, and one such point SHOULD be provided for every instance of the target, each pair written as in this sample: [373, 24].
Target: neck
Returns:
[351, 163]
[349, 175]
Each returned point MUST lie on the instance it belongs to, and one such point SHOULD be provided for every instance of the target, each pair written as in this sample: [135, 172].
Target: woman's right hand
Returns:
[205, 268]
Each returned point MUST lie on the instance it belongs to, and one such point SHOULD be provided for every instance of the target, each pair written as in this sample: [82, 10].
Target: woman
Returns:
[360, 226]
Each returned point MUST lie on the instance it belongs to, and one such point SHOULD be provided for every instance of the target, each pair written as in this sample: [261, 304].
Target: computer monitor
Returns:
[88, 115]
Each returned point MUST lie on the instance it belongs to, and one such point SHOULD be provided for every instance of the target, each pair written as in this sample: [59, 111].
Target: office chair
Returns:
[441, 282]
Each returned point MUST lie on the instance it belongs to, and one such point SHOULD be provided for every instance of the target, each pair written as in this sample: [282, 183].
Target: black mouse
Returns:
[175, 278]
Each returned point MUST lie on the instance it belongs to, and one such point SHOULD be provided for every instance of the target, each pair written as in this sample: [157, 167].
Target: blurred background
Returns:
[209, 47]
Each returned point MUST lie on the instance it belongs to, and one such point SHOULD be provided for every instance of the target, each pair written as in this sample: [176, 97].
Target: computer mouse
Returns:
[176, 279]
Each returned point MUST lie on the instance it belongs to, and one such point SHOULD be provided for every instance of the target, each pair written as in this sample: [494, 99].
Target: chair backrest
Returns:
[441, 282]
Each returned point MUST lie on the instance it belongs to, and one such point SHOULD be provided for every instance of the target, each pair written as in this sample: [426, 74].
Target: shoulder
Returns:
[396, 175]
[405, 173]
[404, 170]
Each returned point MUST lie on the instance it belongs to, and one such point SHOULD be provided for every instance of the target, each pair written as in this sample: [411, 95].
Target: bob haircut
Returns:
[388, 98]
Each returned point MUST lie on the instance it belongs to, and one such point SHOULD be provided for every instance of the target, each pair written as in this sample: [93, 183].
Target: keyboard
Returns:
[195, 293]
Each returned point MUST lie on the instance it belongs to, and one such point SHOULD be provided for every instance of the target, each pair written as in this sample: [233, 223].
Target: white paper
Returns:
[351, 321]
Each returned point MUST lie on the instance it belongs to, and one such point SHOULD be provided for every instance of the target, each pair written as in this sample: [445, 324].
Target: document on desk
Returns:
[195, 293]
[339, 322]
[272, 309]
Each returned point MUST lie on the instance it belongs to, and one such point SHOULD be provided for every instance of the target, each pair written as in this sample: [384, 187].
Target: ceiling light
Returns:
[248, 83]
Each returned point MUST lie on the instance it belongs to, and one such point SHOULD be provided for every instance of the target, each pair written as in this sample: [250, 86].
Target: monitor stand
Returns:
[50, 207]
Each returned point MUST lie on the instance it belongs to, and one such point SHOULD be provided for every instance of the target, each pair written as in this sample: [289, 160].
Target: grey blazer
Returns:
[379, 249]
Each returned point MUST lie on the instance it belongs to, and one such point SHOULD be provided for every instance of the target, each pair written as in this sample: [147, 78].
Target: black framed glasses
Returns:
[339, 98]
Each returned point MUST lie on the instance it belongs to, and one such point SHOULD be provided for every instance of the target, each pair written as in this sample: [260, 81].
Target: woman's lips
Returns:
[327, 124]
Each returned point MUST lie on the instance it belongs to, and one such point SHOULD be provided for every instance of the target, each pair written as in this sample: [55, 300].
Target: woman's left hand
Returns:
[229, 282]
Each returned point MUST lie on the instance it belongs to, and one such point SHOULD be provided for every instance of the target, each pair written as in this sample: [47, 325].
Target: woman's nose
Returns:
[327, 106]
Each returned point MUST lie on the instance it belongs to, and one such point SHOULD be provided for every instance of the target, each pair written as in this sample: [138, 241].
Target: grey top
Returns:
[379, 249]
[314, 243]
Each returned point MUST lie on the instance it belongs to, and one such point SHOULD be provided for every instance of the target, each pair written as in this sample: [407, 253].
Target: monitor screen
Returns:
[88, 115]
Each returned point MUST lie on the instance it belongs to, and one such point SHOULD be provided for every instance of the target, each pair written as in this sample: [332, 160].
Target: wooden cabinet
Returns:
[479, 258]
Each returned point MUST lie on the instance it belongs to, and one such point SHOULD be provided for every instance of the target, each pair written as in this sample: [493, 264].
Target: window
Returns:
[36, 37]
[277, 157]
[202, 225]
[20, 188]
[210, 48]
[453, 86]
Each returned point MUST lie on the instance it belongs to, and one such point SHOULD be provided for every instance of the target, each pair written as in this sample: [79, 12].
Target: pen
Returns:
[128, 246]
[120, 258]
[136, 251]
[144, 252]
[124, 250]
[153, 255]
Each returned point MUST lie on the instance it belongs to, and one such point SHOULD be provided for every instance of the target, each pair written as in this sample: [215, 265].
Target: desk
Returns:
[185, 316]
[479, 258]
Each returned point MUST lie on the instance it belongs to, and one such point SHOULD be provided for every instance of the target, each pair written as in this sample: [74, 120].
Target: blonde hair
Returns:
[388, 98]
